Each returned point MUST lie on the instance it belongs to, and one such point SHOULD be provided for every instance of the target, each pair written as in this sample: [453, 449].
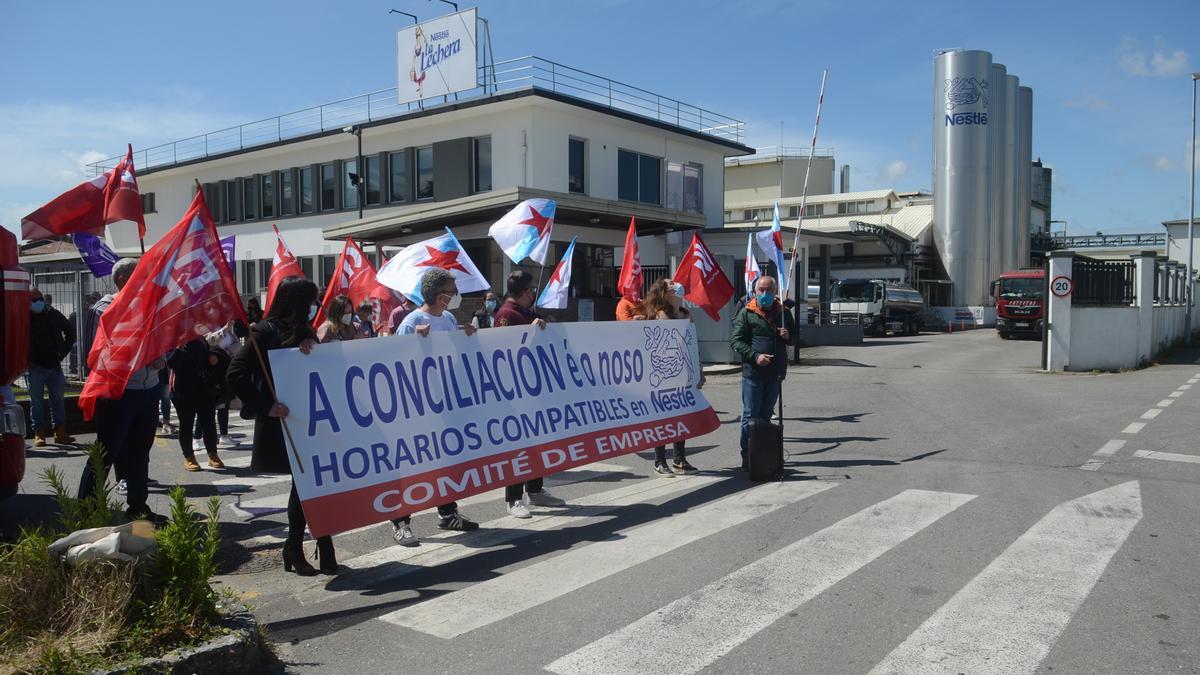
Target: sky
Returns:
[1111, 80]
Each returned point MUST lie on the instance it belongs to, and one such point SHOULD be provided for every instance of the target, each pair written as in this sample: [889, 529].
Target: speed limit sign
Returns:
[1061, 286]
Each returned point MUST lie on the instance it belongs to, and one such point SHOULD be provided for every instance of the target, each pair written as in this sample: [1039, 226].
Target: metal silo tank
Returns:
[1024, 171]
[997, 206]
[961, 174]
[1009, 249]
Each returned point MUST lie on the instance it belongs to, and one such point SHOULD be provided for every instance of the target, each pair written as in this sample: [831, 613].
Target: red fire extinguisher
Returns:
[14, 358]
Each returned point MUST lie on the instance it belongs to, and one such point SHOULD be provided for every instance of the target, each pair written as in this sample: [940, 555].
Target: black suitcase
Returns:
[764, 450]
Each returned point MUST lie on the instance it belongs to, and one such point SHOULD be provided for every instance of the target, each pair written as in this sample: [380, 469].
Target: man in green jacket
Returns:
[762, 332]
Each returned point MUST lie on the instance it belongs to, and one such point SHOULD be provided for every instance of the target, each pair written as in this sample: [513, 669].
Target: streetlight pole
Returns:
[1187, 323]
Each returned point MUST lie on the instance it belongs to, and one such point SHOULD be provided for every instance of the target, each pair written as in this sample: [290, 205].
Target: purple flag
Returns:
[228, 247]
[95, 253]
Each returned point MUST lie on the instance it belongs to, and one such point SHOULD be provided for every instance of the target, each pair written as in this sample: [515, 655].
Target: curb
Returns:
[722, 369]
[239, 651]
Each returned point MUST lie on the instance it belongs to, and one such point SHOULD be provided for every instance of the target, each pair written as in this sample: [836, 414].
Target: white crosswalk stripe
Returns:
[485, 603]
[1010, 615]
[694, 631]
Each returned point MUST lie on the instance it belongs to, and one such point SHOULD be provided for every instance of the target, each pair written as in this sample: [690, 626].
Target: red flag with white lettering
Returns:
[355, 277]
[629, 285]
[283, 266]
[91, 205]
[181, 289]
[704, 282]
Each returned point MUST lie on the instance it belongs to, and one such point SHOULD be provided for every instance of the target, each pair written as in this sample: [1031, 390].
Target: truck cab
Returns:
[878, 306]
[1020, 302]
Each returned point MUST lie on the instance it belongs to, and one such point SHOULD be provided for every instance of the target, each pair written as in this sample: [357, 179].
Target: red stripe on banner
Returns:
[333, 513]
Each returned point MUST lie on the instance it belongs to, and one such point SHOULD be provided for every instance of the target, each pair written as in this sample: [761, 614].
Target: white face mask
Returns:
[346, 319]
[455, 301]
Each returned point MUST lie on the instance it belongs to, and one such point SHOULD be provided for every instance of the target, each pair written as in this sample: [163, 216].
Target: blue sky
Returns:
[1112, 92]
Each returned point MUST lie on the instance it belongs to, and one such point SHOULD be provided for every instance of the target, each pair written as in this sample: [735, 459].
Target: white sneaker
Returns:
[225, 441]
[198, 445]
[517, 510]
[404, 536]
[166, 430]
[122, 487]
[544, 498]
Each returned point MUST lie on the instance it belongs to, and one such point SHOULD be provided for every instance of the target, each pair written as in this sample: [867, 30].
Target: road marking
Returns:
[694, 631]
[1092, 464]
[1175, 394]
[371, 569]
[239, 462]
[1151, 413]
[1134, 427]
[262, 506]
[1110, 448]
[1167, 456]
[1007, 618]
[485, 603]
[1193, 380]
[1184, 387]
[1166, 402]
[247, 483]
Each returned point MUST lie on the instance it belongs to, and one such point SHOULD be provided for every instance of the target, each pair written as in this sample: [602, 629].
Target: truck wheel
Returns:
[1004, 336]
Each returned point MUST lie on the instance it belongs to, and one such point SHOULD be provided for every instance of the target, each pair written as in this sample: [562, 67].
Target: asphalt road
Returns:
[947, 509]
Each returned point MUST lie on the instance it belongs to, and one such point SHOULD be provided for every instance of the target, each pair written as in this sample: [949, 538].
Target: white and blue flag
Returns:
[524, 232]
[771, 243]
[404, 271]
[555, 295]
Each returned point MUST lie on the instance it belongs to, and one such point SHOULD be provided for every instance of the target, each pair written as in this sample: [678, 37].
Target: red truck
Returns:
[14, 354]
[1020, 302]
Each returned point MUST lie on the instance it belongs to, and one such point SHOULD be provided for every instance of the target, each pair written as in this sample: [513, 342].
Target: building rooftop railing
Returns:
[526, 72]
[1131, 240]
[772, 152]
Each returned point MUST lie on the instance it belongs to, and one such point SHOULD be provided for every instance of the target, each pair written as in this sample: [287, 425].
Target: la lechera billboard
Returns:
[437, 57]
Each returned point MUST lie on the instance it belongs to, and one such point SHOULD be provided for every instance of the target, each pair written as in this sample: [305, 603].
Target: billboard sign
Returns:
[437, 57]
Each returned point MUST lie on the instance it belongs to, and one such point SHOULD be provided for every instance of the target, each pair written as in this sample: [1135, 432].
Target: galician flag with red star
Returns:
[524, 232]
[404, 271]
[554, 296]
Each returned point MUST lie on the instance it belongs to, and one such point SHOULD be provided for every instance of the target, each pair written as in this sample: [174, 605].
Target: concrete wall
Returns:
[766, 180]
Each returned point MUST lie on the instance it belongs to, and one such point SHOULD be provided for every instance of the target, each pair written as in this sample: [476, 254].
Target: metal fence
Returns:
[69, 290]
[1102, 282]
[526, 72]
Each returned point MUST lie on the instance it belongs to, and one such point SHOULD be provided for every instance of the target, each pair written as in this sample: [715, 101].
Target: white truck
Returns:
[878, 306]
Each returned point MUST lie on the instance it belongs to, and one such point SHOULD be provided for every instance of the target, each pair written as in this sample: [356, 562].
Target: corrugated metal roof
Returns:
[912, 221]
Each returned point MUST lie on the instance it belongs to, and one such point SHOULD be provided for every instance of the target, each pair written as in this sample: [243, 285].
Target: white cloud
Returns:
[895, 170]
[1089, 102]
[1164, 163]
[1159, 61]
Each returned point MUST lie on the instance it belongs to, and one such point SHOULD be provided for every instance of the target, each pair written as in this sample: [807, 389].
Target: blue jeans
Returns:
[758, 400]
[40, 379]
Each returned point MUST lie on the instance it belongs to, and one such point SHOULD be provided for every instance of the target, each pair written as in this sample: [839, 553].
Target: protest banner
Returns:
[390, 426]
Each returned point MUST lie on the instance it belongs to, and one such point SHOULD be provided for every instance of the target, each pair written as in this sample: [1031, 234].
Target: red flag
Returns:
[181, 289]
[704, 283]
[91, 205]
[630, 283]
[283, 266]
[355, 277]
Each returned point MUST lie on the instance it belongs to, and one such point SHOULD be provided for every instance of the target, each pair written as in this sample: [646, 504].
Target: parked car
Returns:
[14, 357]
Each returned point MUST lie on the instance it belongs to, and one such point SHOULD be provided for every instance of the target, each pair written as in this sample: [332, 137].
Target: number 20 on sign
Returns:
[1061, 286]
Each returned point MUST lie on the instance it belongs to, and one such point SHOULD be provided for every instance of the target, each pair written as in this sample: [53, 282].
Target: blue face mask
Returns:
[491, 305]
[38, 306]
[766, 299]
[312, 312]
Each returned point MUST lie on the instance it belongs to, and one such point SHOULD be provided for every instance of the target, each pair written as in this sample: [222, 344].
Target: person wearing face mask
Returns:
[363, 324]
[517, 310]
[398, 315]
[339, 321]
[762, 332]
[485, 316]
[440, 294]
[664, 301]
[51, 339]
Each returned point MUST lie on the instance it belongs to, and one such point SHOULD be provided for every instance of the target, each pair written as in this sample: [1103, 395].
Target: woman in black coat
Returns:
[195, 389]
[288, 324]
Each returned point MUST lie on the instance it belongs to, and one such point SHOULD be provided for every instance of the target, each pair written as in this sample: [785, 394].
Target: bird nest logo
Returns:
[962, 91]
[670, 354]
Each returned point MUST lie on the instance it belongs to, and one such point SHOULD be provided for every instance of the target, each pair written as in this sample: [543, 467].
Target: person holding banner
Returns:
[664, 301]
[440, 292]
[288, 324]
[339, 321]
[517, 310]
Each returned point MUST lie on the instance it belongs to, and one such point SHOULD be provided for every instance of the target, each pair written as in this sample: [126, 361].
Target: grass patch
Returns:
[59, 619]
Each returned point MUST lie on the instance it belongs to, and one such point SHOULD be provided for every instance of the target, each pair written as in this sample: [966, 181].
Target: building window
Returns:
[249, 198]
[148, 202]
[683, 187]
[231, 201]
[328, 186]
[306, 266]
[264, 274]
[349, 189]
[326, 271]
[212, 195]
[374, 180]
[813, 210]
[287, 193]
[397, 177]
[729, 216]
[425, 173]
[481, 156]
[854, 207]
[248, 286]
[306, 190]
[268, 196]
[576, 163]
[639, 178]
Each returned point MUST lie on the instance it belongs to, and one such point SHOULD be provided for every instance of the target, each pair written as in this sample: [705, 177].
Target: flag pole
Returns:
[262, 362]
[812, 149]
